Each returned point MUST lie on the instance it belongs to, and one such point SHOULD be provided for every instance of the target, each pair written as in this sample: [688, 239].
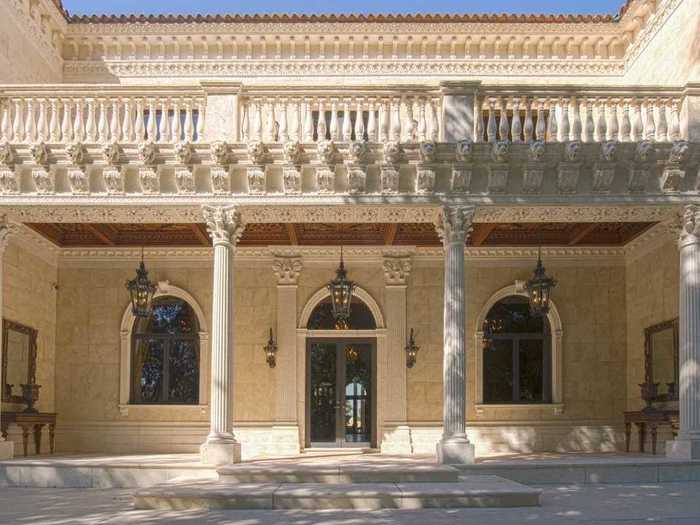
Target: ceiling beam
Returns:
[580, 232]
[481, 232]
[201, 235]
[292, 234]
[390, 233]
[98, 231]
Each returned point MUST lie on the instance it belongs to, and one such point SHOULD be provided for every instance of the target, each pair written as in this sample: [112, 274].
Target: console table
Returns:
[653, 419]
[30, 422]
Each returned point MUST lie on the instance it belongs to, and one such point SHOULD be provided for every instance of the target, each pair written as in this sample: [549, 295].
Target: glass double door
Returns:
[340, 393]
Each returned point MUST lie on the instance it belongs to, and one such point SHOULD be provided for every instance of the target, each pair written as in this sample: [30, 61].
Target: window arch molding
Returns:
[362, 294]
[165, 289]
[556, 333]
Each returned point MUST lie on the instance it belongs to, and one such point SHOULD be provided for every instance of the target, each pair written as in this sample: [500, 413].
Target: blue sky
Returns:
[328, 6]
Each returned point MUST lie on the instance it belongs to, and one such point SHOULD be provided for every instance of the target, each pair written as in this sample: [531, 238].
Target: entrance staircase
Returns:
[366, 486]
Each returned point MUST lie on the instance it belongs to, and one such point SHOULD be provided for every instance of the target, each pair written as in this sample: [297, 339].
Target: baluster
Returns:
[613, 126]
[662, 126]
[139, 127]
[552, 127]
[245, 121]
[18, 125]
[433, 121]
[284, 124]
[91, 123]
[516, 127]
[152, 127]
[321, 127]
[674, 132]
[541, 126]
[576, 121]
[636, 129]
[600, 131]
[359, 122]
[383, 121]
[164, 124]
[564, 125]
[176, 126]
[103, 130]
[422, 123]
[67, 122]
[30, 126]
[78, 126]
[269, 117]
[408, 129]
[478, 118]
[54, 127]
[199, 128]
[188, 127]
[347, 123]
[127, 121]
[395, 129]
[5, 127]
[529, 126]
[371, 123]
[42, 127]
[649, 127]
[114, 130]
[587, 132]
[491, 128]
[334, 127]
[625, 126]
[308, 122]
[503, 120]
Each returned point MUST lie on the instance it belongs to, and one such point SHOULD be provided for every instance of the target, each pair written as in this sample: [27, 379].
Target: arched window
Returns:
[165, 354]
[517, 354]
[361, 317]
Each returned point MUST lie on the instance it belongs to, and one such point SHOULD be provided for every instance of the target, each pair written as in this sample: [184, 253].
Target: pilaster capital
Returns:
[396, 270]
[287, 270]
[454, 223]
[690, 225]
[224, 224]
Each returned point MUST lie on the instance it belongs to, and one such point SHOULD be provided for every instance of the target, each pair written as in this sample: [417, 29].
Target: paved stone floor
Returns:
[665, 504]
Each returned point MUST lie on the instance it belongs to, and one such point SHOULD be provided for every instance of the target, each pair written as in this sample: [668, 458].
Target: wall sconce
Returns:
[270, 350]
[411, 351]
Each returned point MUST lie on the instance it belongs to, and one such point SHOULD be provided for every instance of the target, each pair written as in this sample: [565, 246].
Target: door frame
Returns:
[343, 337]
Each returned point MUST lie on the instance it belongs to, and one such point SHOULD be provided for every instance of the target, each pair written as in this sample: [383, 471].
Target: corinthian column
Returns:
[687, 444]
[453, 226]
[6, 447]
[225, 228]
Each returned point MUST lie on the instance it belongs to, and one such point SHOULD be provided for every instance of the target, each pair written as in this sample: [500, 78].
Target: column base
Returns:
[217, 454]
[683, 449]
[455, 451]
[7, 450]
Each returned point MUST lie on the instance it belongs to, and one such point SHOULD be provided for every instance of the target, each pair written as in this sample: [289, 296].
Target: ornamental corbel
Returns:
[425, 170]
[325, 173]
[533, 173]
[148, 174]
[220, 171]
[641, 166]
[499, 167]
[287, 270]
[9, 182]
[356, 166]
[389, 170]
[569, 169]
[258, 154]
[674, 168]
[604, 169]
[462, 167]
[78, 171]
[112, 174]
[42, 175]
[291, 171]
[396, 270]
[184, 172]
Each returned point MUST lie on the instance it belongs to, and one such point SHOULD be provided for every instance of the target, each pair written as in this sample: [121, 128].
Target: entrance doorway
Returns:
[341, 393]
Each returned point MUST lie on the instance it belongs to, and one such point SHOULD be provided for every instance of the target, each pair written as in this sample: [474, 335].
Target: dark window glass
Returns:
[517, 354]
[165, 355]
[361, 317]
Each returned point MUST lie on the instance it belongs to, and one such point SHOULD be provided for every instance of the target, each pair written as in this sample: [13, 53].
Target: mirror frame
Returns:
[649, 355]
[8, 325]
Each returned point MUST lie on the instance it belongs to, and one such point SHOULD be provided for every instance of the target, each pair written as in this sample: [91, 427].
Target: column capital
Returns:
[224, 224]
[454, 223]
[287, 270]
[690, 225]
[396, 270]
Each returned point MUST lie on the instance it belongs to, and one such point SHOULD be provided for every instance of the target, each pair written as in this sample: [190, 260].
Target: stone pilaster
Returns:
[397, 436]
[285, 433]
[225, 228]
[453, 226]
[6, 447]
[687, 444]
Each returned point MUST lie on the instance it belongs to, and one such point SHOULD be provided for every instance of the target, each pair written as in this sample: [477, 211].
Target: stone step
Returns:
[338, 474]
[473, 491]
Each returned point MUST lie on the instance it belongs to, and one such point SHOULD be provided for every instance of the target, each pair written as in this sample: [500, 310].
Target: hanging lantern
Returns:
[411, 351]
[539, 289]
[341, 290]
[141, 291]
[270, 350]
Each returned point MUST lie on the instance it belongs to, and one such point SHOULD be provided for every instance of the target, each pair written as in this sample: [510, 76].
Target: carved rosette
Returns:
[396, 270]
[224, 224]
[674, 172]
[604, 169]
[454, 223]
[569, 169]
[533, 173]
[287, 270]
[499, 167]
[9, 184]
[641, 167]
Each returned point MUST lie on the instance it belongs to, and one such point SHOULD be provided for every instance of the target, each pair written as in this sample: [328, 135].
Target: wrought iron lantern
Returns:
[411, 351]
[539, 289]
[341, 289]
[270, 350]
[141, 290]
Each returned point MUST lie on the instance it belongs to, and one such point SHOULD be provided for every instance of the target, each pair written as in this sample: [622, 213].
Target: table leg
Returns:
[52, 437]
[37, 437]
[628, 431]
[653, 439]
[25, 438]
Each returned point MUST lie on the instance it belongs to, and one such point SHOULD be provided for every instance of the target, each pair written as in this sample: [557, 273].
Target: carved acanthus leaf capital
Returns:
[287, 269]
[690, 224]
[397, 270]
[224, 224]
[454, 223]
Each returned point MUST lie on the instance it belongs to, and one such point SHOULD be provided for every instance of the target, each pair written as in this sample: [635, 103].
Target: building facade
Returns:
[240, 157]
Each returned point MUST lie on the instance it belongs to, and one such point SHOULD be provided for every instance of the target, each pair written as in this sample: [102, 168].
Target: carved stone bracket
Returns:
[287, 270]
[641, 167]
[499, 168]
[9, 184]
[219, 172]
[396, 270]
[674, 170]
[533, 173]
[604, 169]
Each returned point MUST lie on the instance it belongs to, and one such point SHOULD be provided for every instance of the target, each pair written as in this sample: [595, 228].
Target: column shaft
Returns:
[6, 447]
